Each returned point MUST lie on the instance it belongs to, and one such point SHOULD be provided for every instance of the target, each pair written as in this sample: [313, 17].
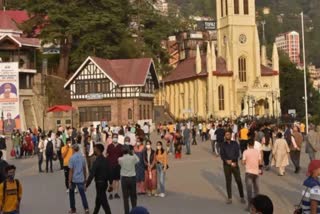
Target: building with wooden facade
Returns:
[115, 91]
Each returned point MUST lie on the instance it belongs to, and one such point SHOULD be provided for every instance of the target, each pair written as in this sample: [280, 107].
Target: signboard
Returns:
[196, 36]
[9, 96]
[96, 96]
[292, 112]
[207, 25]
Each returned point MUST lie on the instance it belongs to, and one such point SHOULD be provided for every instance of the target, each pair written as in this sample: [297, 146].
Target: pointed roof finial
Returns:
[213, 57]
[198, 60]
[209, 66]
[275, 58]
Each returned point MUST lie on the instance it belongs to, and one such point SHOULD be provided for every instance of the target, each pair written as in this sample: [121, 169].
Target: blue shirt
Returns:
[77, 163]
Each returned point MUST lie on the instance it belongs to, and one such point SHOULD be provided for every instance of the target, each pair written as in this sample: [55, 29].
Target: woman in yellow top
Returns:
[66, 153]
[162, 165]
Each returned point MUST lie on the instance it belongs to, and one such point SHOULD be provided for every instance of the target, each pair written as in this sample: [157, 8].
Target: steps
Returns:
[29, 114]
[161, 116]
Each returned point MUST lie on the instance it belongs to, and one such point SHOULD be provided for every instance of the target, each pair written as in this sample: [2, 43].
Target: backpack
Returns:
[49, 148]
[5, 190]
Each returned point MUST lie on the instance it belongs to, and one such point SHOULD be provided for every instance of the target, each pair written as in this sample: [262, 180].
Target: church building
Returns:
[232, 78]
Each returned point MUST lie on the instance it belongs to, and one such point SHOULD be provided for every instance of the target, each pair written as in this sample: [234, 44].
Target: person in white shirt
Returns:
[200, 128]
[40, 154]
[213, 139]
[146, 130]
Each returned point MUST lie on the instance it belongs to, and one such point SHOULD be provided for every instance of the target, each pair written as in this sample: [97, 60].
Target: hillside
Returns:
[288, 10]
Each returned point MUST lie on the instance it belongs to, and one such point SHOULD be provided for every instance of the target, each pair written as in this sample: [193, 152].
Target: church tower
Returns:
[238, 41]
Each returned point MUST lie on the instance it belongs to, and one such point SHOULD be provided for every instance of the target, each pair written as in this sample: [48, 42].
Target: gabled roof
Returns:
[7, 23]
[123, 72]
[20, 41]
[18, 16]
[187, 69]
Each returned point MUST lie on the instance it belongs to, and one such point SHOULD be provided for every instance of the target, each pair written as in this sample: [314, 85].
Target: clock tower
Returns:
[238, 41]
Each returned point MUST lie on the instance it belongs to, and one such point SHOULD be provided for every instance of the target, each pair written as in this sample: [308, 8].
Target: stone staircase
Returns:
[161, 115]
[30, 121]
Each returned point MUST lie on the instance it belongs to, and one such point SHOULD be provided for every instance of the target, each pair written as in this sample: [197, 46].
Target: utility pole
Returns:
[305, 75]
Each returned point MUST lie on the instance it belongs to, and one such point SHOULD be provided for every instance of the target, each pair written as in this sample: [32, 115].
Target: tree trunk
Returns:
[65, 49]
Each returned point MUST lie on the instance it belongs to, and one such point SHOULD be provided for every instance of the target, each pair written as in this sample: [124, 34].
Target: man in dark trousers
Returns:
[101, 173]
[229, 153]
[220, 138]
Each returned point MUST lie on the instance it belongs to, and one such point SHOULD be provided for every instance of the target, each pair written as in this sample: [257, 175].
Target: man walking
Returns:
[10, 192]
[101, 173]
[187, 139]
[77, 178]
[230, 154]
[66, 153]
[49, 151]
[312, 142]
[295, 148]
[213, 139]
[128, 177]
[251, 159]
[220, 133]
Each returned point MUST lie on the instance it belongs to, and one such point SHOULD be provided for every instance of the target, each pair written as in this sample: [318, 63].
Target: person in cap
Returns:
[139, 210]
[311, 192]
[312, 142]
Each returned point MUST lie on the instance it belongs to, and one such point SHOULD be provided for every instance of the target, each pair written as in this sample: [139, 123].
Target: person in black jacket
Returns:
[101, 172]
[3, 165]
[230, 153]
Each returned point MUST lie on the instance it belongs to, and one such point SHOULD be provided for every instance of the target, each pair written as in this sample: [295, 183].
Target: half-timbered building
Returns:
[116, 91]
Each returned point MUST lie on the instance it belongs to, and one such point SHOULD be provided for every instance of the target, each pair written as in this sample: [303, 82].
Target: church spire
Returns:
[198, 60]
[213, 57]
[228, 57]
[209, 64]
[275, 58]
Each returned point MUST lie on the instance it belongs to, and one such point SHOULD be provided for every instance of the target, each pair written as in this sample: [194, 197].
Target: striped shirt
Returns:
[308, 194]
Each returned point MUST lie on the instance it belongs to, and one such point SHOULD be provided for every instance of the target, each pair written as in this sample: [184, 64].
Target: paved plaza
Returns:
[195, 185]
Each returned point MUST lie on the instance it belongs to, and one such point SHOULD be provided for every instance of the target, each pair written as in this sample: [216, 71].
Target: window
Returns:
[92, 86]
[129, 114]
[140, 112]
[144, 112]
[236, 6]
[226, 7]
[245, 7]
[242, 65]
[221, 97]
[148, 112]
[95, 113]
[221, 8]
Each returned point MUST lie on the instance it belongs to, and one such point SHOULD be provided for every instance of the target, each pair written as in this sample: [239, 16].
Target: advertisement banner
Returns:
[9, 96]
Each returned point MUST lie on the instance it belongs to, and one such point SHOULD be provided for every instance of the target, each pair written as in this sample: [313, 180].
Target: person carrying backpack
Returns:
[49, 151]
[10, 192]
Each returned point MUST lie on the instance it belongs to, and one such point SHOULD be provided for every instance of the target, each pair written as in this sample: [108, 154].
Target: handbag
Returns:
[298, 208]
[13, 153]
[54, 157]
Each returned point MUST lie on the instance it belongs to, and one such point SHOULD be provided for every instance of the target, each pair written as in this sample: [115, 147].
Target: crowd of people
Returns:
[126, 157]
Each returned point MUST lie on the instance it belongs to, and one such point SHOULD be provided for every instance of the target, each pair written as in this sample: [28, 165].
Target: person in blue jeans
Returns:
[77, 178]
[162, 165]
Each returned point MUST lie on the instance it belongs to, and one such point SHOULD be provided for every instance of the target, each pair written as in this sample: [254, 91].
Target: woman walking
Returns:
[266, 149]
[149, 157]
[177, 145]
[162, 164]
[280, 154]
[140, 167]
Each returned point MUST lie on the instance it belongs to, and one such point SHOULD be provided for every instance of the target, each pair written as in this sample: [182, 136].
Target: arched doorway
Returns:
[262, 107]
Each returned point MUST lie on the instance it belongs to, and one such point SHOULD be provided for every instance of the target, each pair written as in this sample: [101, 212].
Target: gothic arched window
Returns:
[246, 7]
[226, 7]
[221, 97]
[236, 6]
[129, 114]
[222, 8]
[242, 66]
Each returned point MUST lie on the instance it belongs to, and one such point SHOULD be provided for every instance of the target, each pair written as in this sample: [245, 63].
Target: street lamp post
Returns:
[2, 119]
